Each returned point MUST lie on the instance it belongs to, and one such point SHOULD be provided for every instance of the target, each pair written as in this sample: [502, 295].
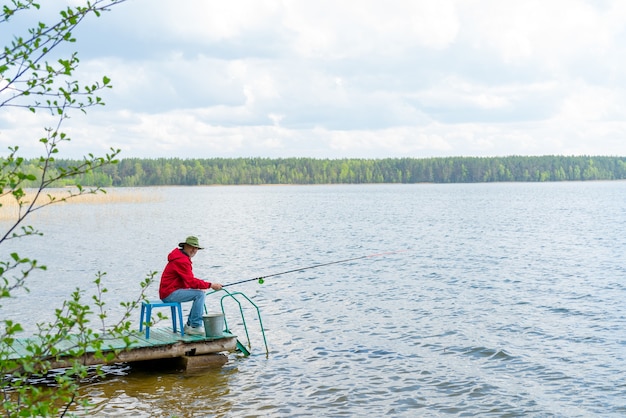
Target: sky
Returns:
[347, 79]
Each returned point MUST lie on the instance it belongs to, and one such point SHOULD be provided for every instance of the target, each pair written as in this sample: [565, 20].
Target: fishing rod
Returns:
[261, 279]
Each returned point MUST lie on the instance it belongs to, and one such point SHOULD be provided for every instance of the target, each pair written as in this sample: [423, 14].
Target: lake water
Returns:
[496, 300]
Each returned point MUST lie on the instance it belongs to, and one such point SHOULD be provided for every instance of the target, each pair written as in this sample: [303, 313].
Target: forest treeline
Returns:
[256, 171]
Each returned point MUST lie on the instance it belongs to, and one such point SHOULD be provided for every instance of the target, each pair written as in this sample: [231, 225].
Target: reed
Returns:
[9, 207]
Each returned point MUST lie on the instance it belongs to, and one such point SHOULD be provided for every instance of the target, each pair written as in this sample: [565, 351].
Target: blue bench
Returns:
[146, 315]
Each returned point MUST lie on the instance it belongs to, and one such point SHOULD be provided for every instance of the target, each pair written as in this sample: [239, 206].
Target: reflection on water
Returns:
[135, 391]
[508, 302]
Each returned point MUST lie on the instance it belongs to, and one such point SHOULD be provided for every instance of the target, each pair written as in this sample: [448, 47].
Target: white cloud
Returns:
[214, 20]
[550, 33]
[341, 79]
[334, 29]
[590, 103]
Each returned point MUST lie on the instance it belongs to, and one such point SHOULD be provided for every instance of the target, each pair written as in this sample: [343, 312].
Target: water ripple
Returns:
[509, 302]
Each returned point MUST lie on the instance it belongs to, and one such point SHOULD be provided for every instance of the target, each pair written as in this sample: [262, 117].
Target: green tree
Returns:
[35, 79]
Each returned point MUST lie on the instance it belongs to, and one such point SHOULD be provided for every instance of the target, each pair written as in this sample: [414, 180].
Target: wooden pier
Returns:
[193, 351]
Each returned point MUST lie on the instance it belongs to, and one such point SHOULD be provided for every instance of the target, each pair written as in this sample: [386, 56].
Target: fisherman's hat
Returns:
[193, 241]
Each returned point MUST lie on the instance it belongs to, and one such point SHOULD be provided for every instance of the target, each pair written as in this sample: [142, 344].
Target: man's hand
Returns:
[216, 286]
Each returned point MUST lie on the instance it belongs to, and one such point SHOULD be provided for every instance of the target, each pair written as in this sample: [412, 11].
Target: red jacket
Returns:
[178, 274]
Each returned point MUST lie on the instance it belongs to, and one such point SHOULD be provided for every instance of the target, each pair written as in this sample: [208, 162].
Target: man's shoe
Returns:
[189, 330]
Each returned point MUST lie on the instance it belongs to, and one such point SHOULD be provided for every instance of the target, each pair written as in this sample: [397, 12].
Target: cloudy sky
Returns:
[345, 78]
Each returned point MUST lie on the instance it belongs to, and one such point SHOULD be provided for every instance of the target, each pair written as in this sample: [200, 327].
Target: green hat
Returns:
[193, 241]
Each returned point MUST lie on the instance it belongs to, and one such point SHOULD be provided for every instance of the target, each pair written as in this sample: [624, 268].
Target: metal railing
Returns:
[236, 296]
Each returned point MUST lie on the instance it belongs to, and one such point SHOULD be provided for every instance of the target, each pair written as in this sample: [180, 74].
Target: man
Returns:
[178, 283]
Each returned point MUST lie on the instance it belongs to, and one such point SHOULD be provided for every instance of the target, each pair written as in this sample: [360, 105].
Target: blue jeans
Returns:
[187, 295]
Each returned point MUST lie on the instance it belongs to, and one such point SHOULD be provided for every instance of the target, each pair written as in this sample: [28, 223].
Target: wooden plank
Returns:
[160, 336]
[163, 344]
[196, 363]
[20, 346]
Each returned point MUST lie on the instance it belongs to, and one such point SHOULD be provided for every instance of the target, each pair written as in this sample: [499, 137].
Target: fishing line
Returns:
[261, 279]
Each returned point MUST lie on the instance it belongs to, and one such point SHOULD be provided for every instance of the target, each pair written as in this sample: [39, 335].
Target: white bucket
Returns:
[213, 324]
